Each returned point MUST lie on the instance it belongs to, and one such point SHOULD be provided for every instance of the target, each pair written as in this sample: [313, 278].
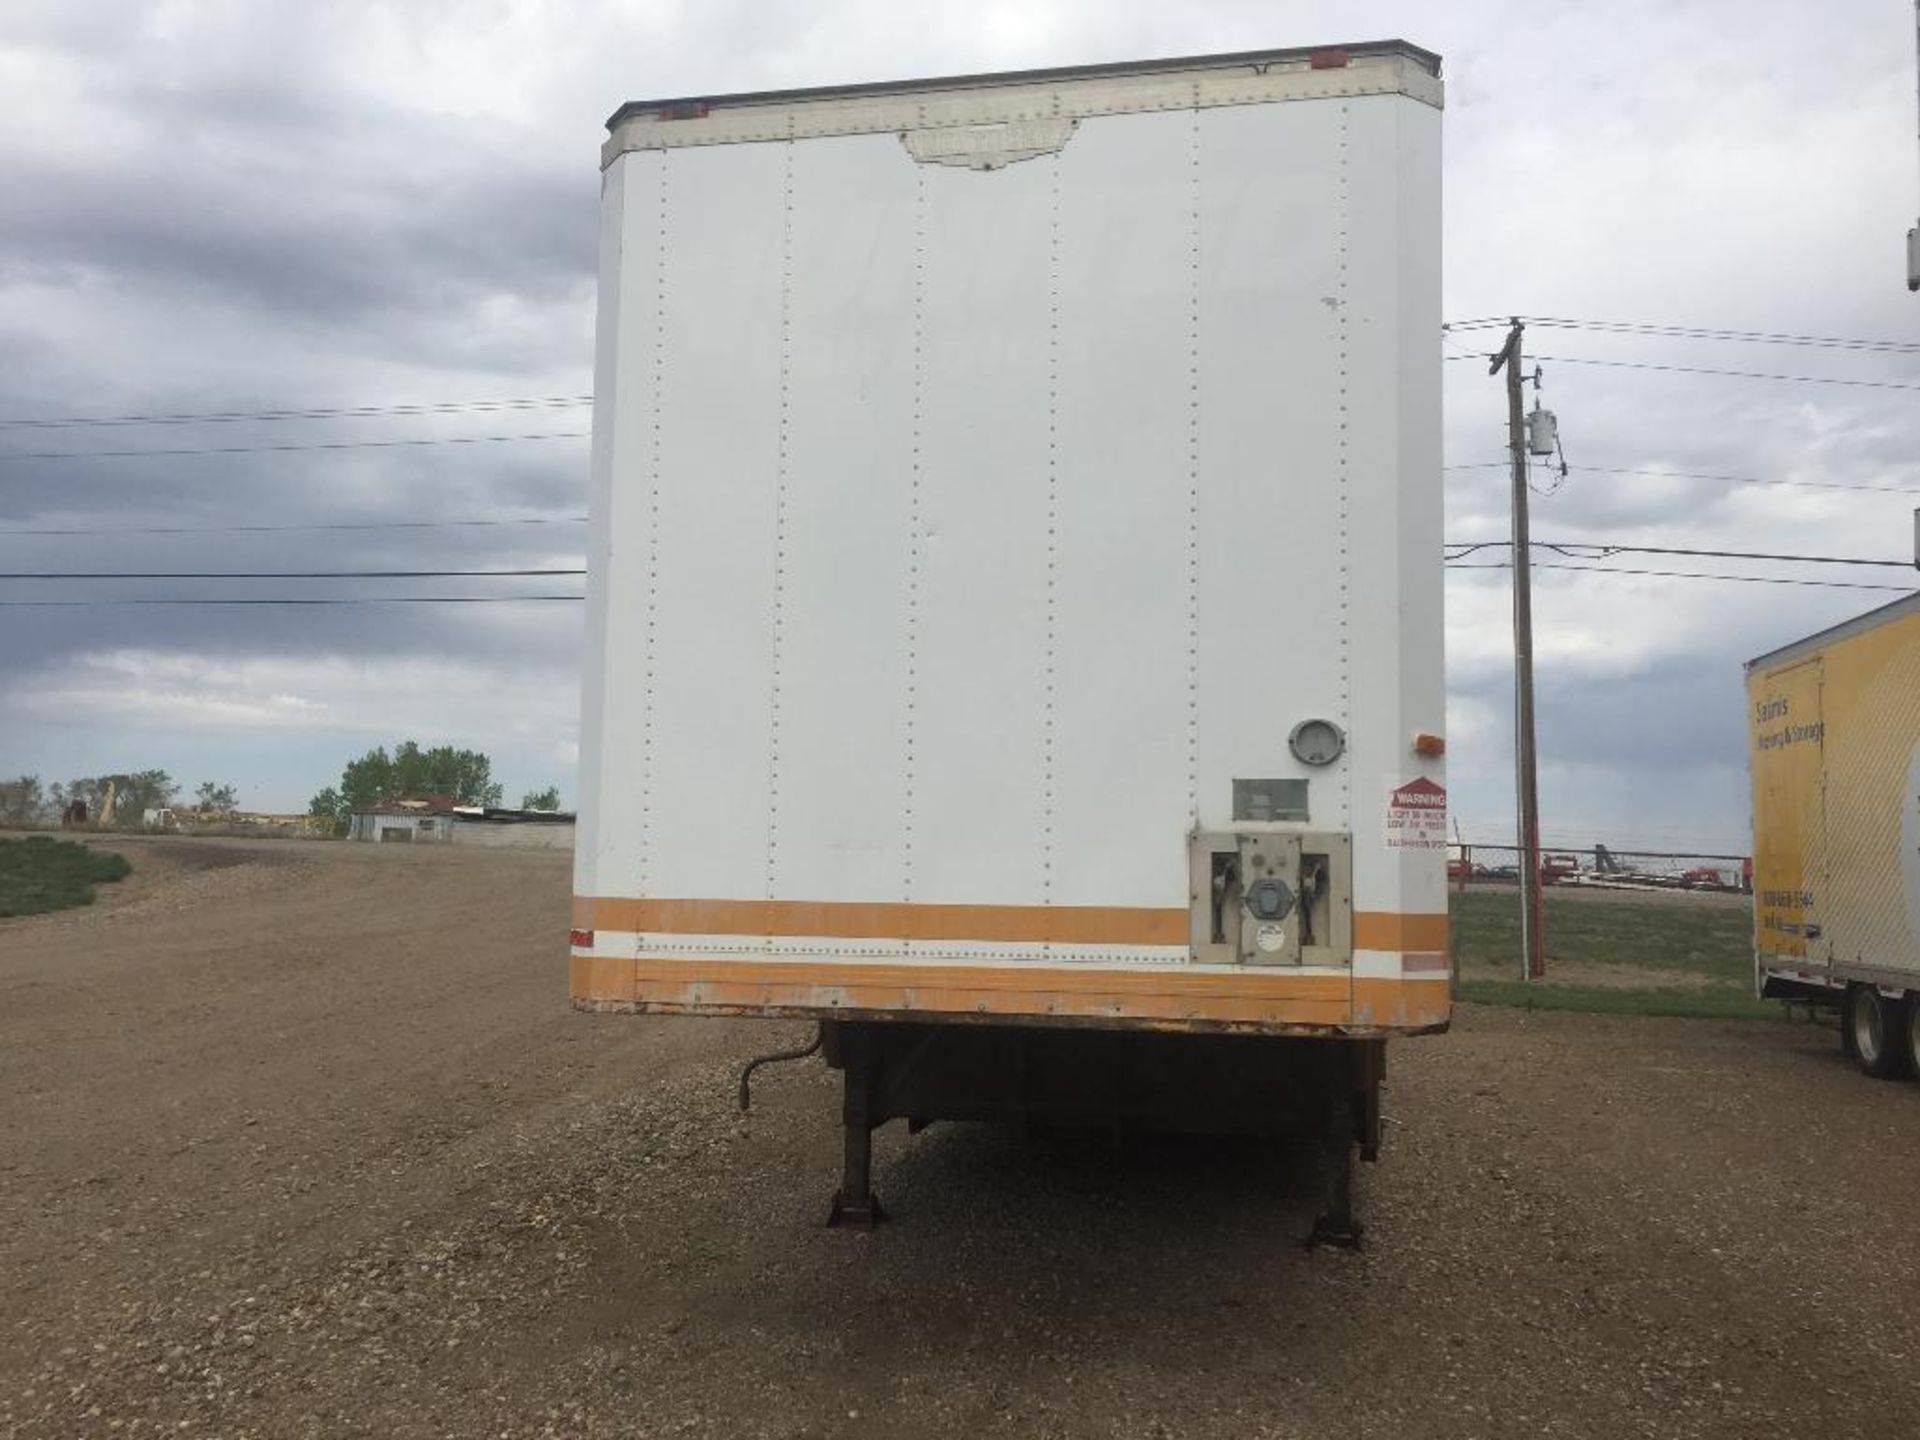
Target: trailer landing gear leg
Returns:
[1337, 1225]
[854, 1203]
[1353, 1077]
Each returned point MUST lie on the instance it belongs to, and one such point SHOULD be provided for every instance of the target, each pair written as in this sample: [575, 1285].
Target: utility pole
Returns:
[1532, 943]
[1913, 235]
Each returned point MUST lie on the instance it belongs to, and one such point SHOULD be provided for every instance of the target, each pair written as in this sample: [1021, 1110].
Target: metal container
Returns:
[991, 476]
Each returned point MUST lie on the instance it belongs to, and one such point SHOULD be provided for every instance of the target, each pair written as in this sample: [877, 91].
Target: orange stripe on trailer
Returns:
[714, 986]
[709, 985]
[1392, 930]
[1012, 979]
[880, 920]
[1411, 1004]
[605, 978]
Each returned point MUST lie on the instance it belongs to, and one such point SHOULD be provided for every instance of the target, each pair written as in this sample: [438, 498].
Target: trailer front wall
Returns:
[960, 537]
[1835, 748]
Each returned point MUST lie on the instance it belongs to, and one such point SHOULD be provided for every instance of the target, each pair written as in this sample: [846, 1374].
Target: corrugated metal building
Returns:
[413, 819]
[437, 820]
[527, 829]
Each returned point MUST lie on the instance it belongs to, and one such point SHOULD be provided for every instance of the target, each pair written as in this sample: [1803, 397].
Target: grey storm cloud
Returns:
[393, 244]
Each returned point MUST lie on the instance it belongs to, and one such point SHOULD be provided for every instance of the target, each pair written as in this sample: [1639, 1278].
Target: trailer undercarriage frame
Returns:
[1321, 1090]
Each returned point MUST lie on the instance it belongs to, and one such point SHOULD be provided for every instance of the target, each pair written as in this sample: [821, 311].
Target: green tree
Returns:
[328, 806]
[466, 775]
[22, 800]
[214, 799]
[133, 794]
[547, 799]
[153, 789]
[366, 781]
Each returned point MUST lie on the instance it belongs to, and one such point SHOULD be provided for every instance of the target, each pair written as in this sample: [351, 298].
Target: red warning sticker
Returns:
[1417, 816]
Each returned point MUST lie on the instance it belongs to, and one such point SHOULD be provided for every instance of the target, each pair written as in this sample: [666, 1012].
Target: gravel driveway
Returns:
[302, 1139]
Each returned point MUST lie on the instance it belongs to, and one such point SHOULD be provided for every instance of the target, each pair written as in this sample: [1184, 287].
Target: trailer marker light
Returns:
[581, 939]
[1328, 60]
[1431, 746]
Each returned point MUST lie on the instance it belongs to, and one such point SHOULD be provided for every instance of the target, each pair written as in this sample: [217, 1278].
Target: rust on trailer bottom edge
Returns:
[591, 1006]
[1258, 1001]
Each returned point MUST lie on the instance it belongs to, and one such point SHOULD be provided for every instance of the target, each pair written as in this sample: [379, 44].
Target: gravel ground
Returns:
[302, 1140]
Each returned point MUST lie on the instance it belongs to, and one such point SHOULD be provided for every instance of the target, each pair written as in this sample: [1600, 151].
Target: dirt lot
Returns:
[302, 1140]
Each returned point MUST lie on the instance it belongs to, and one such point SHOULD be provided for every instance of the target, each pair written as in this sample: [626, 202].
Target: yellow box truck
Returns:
[1833, 725]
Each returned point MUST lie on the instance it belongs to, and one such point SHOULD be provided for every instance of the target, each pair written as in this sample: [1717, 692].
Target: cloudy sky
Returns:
[258, 205]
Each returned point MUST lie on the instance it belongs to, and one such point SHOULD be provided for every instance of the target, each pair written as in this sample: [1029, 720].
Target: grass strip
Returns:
[1713, 1004]
[39, 874]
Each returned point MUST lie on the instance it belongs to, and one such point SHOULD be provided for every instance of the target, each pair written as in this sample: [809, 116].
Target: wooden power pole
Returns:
[1913, 235]
[1532, 942]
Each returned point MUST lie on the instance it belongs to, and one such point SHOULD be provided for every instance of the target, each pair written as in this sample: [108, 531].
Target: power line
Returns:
[1571, 549]
[1684, 575]
[1460, 550]
[279, 574]
[370, 525]
[282, 449]
[1695, 332]
[281, 600]
[1698, 475]
[517, 599]
[1704, 370]
[543, 402]
[268, 529]
[342, 412]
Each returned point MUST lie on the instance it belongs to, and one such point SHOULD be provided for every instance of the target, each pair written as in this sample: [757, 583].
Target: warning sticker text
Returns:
[1417, 816]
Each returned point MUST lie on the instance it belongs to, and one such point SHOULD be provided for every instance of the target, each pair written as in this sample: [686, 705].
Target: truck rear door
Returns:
[1787, 741]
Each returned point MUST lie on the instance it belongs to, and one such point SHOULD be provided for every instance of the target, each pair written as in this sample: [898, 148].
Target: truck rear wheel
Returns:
[1910, 1029]
[1878, 1032]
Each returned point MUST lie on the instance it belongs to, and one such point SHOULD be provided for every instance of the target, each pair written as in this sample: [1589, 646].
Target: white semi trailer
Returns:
[1014, 615]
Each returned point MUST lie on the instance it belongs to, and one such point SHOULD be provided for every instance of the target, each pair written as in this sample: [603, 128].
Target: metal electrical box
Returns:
[1271, 896]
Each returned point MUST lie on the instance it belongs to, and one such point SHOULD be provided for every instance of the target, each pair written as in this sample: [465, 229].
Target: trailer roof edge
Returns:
[1858, 625]
[1402, 49]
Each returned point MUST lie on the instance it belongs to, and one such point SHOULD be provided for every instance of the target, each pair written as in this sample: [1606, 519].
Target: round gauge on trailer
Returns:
[1317, 742]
